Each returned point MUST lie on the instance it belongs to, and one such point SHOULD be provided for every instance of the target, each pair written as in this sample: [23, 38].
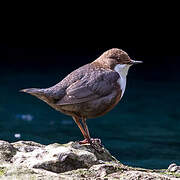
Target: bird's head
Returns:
[114, 57]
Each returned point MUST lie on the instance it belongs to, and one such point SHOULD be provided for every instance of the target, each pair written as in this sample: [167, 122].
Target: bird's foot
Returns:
[90, 141]
[85, 141]
[95, 143]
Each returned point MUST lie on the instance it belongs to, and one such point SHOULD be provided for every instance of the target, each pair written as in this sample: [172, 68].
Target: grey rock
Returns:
[178, 171]
[137, 175]
[27, 146]
[59, 158]
[7, 151]
[31, 160]
[172, 167]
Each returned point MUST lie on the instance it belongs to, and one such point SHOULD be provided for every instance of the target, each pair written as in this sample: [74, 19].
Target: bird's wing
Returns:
[93, 85]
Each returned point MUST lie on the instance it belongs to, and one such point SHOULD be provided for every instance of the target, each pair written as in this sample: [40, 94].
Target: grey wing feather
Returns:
[58, 91]
[92, 86]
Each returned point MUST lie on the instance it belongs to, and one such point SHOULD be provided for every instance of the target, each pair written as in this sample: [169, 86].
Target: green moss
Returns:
[2, 171]
[79, 173]
[174, 174]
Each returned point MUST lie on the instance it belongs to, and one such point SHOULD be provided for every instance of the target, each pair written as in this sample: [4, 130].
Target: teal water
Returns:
[143, 130]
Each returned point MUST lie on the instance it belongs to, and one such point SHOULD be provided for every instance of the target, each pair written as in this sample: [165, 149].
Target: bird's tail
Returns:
[39, 93]
[32, 91]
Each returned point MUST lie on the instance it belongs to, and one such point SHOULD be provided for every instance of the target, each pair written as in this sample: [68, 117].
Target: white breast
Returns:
[122, 70]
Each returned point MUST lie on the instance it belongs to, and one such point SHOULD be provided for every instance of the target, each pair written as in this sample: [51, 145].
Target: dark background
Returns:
[143, 130]
[163, 63]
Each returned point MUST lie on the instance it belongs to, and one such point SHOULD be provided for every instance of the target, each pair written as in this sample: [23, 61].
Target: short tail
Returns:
[32, 91]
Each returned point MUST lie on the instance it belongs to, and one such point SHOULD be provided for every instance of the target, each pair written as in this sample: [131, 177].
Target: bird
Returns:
[89, 91]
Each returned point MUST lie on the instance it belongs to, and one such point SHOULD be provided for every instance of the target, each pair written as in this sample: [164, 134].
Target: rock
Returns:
[7, 151]
[31, 160]
[133, 175]
[172, 167]
[26, 146]
[56, 157]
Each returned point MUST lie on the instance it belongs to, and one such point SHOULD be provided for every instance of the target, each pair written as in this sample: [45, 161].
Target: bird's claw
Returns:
[90, 141]
[85, 141]
[95, 141]
[95, 144]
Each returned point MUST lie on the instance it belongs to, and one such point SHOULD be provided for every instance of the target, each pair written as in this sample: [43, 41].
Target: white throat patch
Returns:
[122, 70]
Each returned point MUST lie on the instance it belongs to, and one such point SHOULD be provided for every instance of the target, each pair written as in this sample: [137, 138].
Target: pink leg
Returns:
[80, 126]
[86, 130]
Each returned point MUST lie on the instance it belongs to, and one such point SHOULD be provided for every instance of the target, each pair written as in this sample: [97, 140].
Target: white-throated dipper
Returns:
[91, 90]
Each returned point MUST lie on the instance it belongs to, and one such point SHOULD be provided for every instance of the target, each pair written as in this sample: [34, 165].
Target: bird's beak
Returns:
[136, 62]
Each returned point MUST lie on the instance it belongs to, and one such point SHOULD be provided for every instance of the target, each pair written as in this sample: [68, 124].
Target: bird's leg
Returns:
[85, 127]
[95, 143]
[82, 130]
[86, 130]
[91, 140]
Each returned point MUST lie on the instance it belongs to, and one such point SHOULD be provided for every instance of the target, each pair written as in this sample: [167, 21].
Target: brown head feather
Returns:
[111, 58]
